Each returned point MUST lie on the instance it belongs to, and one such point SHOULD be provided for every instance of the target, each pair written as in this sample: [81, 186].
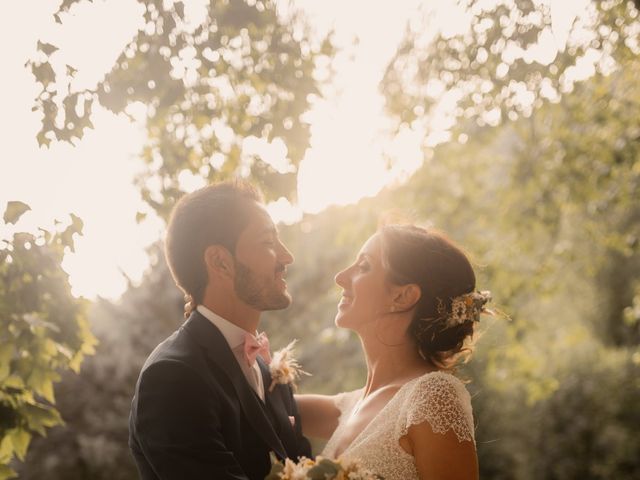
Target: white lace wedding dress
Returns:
[436, 397]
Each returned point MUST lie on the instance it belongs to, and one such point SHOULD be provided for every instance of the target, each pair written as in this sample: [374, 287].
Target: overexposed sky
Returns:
[94, 178]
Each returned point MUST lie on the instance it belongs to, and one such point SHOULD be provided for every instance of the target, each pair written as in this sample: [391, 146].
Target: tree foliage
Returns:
[546, 201]
[573, 147]
[542, 182]
[243, 71]
[494, 65]
[96, 403]
[43, 332]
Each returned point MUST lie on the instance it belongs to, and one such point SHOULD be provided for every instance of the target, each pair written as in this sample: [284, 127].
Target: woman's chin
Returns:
[348, 318]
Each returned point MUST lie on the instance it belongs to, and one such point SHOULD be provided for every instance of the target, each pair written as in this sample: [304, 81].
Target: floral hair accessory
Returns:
[464, 308]
[284, 367]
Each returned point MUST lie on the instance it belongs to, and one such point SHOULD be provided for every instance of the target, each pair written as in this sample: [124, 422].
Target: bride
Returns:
[410, 296]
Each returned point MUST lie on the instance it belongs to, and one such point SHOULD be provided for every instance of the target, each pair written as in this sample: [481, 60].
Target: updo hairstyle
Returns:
[427, 258]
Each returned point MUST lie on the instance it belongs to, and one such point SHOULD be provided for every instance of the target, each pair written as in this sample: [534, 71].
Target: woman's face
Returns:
[366, 294]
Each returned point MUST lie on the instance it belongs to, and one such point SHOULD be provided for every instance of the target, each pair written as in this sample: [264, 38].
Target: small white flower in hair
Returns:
[464, 308]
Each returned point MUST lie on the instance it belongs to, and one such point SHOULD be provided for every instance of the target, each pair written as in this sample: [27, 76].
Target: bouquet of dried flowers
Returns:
[320, 469]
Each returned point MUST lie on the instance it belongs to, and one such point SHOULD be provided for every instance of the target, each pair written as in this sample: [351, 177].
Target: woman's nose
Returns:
[341, 277]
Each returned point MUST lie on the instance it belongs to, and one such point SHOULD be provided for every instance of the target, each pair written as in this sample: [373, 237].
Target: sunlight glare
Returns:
[281, 211]
[351, 154]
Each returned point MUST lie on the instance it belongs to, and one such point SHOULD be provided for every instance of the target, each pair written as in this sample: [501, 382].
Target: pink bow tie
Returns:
[254, 346]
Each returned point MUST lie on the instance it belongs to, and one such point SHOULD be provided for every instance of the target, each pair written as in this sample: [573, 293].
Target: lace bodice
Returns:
[436, 397]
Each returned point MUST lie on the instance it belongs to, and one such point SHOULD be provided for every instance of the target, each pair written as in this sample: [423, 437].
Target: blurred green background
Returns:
[539, 181]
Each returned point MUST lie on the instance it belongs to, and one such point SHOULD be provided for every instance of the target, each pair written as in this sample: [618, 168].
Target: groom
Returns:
[202, 407]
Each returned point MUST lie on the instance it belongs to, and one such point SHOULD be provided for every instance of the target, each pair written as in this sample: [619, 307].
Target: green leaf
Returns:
[76, 361]
[14, 211]
[20, 439]
[6, 472]
[43, 140]
[324, 469]
[6, 354]
[40, 417]
[47, 390]
[6, 448]
[47, 48]
[13, 381]
[66, 237]
[77, 223]
[42, 382]
[50, 347]
[179, 8]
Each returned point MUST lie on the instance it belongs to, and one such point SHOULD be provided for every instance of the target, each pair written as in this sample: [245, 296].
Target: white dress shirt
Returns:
[234, 336]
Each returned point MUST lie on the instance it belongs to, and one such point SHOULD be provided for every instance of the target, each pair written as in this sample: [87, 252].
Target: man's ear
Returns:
[219, 261]
[406, 297]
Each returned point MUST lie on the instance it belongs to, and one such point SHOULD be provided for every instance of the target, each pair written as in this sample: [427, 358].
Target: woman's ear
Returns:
[406, 297]
[219, 261]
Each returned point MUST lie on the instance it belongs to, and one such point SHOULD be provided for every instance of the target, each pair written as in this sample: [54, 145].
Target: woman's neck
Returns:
[391, 364]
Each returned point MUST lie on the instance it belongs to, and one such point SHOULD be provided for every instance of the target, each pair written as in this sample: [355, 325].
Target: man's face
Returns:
[260, 264]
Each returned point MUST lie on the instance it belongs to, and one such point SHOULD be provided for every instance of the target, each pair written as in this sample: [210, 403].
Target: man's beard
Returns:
[260, 293]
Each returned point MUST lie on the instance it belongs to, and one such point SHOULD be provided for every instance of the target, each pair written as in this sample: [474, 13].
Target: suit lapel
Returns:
[218, 350]
[275, 402]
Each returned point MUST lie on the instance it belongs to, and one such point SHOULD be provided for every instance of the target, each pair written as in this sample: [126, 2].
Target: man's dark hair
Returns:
[213, 215]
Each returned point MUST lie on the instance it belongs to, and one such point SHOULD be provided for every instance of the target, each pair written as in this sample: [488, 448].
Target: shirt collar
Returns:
[233, 334]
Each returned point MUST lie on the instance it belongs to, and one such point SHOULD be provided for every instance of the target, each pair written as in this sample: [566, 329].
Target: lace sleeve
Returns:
[442, 400]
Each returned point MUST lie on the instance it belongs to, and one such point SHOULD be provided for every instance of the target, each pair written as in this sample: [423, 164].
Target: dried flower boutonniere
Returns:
[284, 367]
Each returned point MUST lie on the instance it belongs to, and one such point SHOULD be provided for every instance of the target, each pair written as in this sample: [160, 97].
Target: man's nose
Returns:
[286, 257]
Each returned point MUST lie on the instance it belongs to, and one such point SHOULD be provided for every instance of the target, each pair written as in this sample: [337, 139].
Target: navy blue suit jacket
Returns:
[195, 416]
